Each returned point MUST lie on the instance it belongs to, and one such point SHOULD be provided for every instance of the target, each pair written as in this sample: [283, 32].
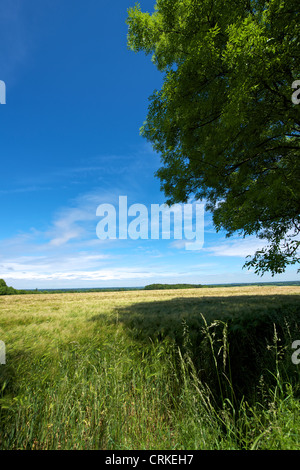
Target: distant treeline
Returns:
[172, 286]
[6, 290]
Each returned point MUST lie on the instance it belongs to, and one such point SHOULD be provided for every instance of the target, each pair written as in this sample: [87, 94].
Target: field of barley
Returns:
[206, 368]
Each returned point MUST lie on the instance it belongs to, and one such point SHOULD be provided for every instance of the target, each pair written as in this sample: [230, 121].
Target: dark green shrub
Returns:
[5, 290]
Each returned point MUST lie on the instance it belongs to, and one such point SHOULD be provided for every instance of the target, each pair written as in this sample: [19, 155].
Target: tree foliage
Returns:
[224, 122]
[171, 286]
[6, 290]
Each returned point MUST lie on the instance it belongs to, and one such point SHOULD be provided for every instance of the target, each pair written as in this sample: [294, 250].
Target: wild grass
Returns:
[168, 370]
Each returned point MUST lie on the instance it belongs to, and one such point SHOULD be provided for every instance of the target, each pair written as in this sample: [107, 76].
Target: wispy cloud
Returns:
[101, 170]
[119, 273]
[67, 226]
[240, 247]
[39, 266]
[25, 189]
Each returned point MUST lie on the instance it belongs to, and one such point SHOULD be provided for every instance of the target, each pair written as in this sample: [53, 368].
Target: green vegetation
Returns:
[167, 369]
[223, 121]
[5, 290]
[172, 286]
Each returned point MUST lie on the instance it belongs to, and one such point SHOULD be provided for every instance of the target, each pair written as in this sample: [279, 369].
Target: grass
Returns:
[168, 370]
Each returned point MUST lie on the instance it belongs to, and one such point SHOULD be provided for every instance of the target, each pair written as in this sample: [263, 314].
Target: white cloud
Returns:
[46, 264]
[116, 273]
[178, 244]
[240, 247]
[66, 227]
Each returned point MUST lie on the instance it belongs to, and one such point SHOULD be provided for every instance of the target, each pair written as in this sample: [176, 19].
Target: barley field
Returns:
[206, 368]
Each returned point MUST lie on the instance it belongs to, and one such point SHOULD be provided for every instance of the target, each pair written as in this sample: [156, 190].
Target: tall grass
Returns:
[81, 374]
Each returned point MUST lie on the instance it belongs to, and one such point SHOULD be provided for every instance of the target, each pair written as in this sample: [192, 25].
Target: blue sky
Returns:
[76, 98]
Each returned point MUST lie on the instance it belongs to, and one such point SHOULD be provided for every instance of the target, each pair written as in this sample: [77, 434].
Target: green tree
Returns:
[3, 287]
[224, 122]
[5, 290]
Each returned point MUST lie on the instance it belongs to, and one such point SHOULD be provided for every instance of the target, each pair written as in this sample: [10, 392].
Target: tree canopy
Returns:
[224, 121]
[5, 290]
